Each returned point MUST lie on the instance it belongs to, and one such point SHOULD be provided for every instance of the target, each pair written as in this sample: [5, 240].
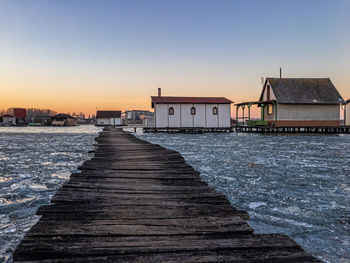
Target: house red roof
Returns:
[20, 113]
[194, 100]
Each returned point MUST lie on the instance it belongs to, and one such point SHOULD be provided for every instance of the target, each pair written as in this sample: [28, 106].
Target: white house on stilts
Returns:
[191, 112]
[296, 102]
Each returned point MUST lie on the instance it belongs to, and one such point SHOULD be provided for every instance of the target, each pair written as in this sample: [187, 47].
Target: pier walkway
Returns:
[139, 202]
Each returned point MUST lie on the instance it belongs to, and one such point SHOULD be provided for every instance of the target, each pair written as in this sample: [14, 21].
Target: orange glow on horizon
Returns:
[69, 100]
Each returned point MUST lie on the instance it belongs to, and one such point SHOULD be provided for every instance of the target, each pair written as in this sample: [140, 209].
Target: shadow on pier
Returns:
[139, 202]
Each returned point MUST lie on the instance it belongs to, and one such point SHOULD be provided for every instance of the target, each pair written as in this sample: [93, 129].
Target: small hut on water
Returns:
[62, 119]
[191, 112]
[296, 102]
[107, 118]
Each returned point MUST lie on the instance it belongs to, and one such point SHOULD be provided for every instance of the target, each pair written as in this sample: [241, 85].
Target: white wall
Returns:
[108, 121]
[175, 120]
[224, 115]
[212, 120]
[308, 112]
[347, 114]
[102, 121]
[161, 113]
[186, 117]
[182, 116]
[199, 118]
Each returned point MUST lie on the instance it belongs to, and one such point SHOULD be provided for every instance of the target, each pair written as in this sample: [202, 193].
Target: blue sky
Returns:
[108, 53]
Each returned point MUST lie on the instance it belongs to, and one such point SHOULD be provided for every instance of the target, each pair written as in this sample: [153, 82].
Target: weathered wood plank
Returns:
[109, 228]
[275, 255]
[147, 214]
[94, 246]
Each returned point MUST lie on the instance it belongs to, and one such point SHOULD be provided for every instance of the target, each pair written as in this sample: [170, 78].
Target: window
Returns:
[268, 93]
[269, 109]
[171, 111]
[193, 111]
[215, 111]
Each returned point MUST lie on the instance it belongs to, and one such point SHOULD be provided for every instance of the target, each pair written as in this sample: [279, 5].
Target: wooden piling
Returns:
[139, 202]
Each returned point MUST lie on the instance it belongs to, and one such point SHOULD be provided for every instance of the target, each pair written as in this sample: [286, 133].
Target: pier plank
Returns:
[139, 202]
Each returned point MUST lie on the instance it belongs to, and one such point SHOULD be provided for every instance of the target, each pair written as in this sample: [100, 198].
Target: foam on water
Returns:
[34, 162]
[297, 185]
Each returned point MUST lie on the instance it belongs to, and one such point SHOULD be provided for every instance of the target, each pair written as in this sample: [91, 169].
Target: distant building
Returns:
[62, 119]
[347, 113]
[19, 114]
[33, 113]
[85, 121]
[42, 120]
[147, 120]
[106, 118]
[300, 102]
[136, 116]
[8, 119]
[191, 112]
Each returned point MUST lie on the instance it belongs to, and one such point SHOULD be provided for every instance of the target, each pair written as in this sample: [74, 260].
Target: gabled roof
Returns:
[304, 91]
[62, 116]
[348, 101]
[108, 114]
[193, 100]
[7, 115]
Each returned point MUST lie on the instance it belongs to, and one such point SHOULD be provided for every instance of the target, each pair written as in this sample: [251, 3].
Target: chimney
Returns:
[159, 92]
[280, 73]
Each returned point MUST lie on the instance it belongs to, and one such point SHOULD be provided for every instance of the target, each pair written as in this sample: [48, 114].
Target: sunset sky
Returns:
[74, 56]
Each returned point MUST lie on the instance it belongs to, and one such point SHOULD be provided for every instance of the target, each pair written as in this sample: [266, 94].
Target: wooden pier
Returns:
[255, 129]
[139, 202]
[185, 130]
[319, 130]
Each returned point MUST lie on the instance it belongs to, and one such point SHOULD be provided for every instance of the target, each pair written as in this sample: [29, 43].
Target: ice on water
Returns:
[297, 185]
[34, 162]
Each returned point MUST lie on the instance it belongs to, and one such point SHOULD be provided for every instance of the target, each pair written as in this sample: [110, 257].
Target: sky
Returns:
[79, 56]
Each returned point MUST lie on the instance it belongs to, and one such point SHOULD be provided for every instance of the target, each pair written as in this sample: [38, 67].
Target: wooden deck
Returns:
[139, 202]
[255, 129]
[310, 130]
[185, 130]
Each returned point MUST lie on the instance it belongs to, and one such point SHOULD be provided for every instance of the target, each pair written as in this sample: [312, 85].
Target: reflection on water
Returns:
[297, 185]
[34, 162]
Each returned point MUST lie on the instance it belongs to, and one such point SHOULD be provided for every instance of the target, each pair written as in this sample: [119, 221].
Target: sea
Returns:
[298, 185]
[34, 163]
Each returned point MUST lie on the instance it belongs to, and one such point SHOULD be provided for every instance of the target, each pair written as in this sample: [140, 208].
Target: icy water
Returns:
[297, 185]
[34, 162]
